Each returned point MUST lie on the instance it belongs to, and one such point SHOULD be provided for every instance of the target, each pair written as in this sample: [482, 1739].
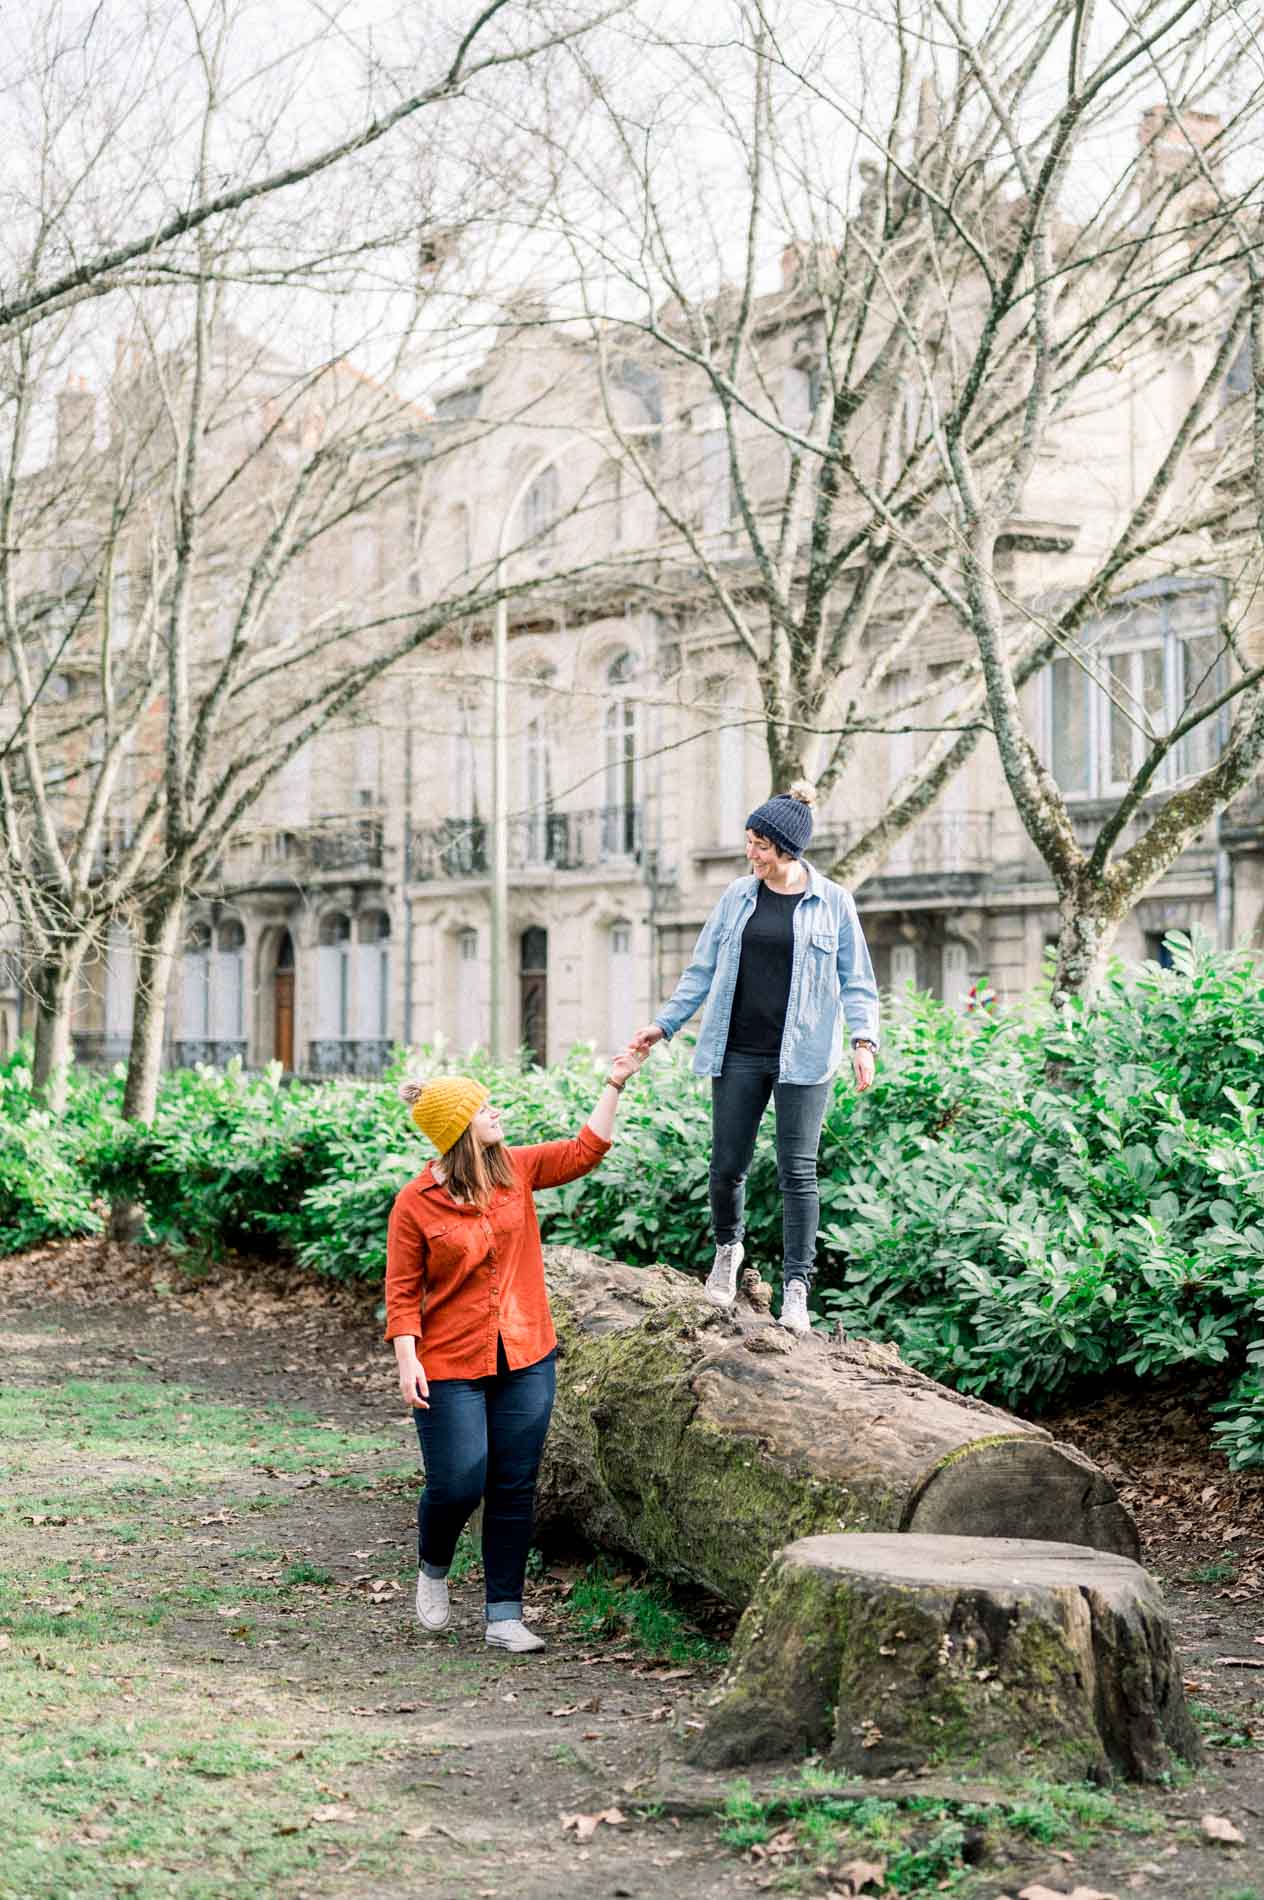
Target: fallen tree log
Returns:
[892, 1653]
[700, 1441]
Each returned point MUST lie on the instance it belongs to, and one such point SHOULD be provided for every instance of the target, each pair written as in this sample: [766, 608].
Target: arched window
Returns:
[954, 973]
[621, 987]
[613, 500]
[120, 986]
[540, 509]
[467, 997]
[463, 760]
[533, 992]
[333, 978]
[373, 974]
[621, 817]
[459, 536]
[195, 983]
[228, 982]
[726, 795]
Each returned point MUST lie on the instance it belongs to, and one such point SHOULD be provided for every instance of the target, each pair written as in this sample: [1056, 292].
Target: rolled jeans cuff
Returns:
[504, 1612]
[437, 1571]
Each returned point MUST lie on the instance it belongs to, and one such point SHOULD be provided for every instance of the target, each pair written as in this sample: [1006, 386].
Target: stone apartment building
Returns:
[353, 912]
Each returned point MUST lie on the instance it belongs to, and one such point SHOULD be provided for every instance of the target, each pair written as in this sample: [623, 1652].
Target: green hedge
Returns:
[1022, 1202]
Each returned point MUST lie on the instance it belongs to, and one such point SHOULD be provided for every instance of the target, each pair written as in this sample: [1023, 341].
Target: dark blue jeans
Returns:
[739, 1096]
[481, 1440]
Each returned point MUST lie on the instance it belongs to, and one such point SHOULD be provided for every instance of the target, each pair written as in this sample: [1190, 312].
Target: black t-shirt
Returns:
[763, 976]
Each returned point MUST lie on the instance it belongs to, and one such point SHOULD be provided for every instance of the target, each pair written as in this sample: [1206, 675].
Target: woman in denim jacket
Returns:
[783, 969]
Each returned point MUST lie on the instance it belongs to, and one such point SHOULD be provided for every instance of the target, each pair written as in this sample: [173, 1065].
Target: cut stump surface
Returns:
[898, 1652]
[701, 1440]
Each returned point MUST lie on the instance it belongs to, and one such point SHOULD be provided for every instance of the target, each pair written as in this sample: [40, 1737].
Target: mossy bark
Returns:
[892, 1653]
[701, 1441]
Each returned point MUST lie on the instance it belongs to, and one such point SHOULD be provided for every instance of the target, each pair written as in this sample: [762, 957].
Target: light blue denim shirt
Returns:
[831, 981]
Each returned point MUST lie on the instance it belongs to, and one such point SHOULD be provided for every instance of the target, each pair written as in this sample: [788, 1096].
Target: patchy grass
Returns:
[172, 1435]
[643, 1614]
[925, 1844]
[1219, 1570]
[118, 1772]
[1221, 1729]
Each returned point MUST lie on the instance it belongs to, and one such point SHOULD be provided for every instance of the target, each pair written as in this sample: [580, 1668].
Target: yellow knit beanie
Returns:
[444, 1107]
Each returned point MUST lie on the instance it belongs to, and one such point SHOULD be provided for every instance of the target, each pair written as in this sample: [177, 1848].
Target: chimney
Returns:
[76, 420]
[1170, 142]
[804, 265]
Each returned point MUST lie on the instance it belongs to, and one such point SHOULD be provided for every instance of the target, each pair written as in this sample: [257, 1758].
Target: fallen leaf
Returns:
[334, 1811]
[416, 1833]
[1239, 1662]
[1216, 1828]
[783, 1843]
[1056, 1893]
[571, 1709]
[586, 1825]
[859, 1874]
[4, 1642]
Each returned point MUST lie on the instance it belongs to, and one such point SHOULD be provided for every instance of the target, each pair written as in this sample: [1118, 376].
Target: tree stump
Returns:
[889, 1652]
[700, 1441]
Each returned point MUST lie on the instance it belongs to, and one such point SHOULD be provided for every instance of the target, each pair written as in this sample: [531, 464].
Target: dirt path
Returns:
[212, 1684]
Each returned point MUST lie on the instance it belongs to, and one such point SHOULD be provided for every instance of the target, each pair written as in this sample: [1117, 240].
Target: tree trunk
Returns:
[701, 1441]
[1085, 940]
[155, 957]
[896, 1653]
[55, 981]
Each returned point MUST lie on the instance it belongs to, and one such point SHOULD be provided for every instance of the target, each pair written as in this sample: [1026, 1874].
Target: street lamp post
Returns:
[500, 739]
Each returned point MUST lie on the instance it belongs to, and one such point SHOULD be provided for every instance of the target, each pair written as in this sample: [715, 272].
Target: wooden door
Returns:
[283, 1042]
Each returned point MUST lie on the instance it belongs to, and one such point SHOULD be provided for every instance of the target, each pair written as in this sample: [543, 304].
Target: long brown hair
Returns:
[472, 1168]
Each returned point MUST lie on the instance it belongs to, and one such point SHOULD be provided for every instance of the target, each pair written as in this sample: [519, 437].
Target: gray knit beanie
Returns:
[786, 820]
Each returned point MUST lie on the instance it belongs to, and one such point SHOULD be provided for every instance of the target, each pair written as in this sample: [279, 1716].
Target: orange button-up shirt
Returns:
[458, 1276]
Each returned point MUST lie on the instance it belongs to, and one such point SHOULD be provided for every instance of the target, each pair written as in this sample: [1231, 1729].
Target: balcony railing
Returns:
[352, 844]
[348, 1055]
[555, 840]
[217, 1055]
[944, 842]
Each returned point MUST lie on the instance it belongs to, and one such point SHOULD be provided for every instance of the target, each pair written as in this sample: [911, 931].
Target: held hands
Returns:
[645, 1039]
[627, 1062]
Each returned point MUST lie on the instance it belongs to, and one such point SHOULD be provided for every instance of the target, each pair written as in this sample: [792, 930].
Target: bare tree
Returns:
[867, 455]
[114, 84]
[162, 566]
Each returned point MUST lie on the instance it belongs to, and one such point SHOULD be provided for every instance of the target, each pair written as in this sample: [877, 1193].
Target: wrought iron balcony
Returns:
[1242, 820]
[552, 840]
[215, 1055]
[348, 1055]
[344, 844]
[947, 842]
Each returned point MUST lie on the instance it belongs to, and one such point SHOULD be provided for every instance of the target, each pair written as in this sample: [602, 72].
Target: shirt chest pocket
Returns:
[825, 943]
[446, 1247]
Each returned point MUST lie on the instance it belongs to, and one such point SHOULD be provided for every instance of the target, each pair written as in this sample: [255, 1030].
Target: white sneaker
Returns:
[513, 1634]
[433, 1608]
[720, 1285]
[794, 1307]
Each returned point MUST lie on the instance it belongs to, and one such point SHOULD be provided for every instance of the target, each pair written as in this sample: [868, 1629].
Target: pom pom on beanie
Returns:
[786, 820]
[444, 1107]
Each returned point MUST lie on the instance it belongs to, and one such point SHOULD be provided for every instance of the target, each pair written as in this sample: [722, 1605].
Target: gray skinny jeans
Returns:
[739, 1096]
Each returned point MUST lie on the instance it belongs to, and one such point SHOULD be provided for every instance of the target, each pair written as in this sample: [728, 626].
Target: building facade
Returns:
[352, 911]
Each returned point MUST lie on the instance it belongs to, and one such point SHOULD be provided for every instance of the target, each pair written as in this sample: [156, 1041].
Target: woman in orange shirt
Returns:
[467, 1310]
